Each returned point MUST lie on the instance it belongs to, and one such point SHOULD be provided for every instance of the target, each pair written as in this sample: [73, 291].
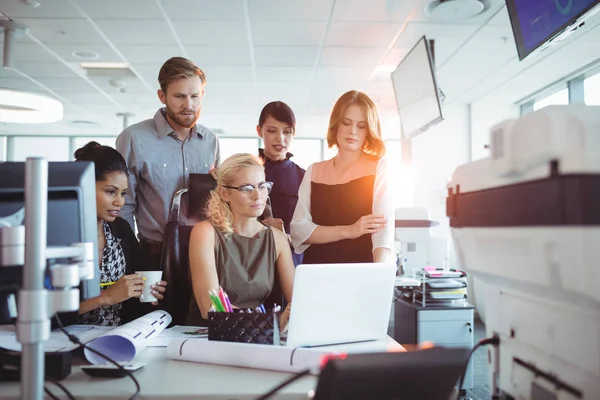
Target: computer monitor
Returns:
[538, 23]
[422, 374]
[71, 215]
[416, 90]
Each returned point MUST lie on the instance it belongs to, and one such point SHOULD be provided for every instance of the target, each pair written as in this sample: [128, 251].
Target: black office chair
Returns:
[175, 255]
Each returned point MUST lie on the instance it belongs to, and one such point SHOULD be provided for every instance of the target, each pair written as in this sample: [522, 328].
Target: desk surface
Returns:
[163, 378]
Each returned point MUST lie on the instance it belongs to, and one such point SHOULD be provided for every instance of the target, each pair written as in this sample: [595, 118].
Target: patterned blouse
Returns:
[113, 268]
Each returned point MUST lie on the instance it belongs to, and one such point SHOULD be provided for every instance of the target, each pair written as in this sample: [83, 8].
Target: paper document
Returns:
[124, 342]
[120, 343]
[403, 281]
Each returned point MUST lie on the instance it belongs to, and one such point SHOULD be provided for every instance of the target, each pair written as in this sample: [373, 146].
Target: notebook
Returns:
[340, 303]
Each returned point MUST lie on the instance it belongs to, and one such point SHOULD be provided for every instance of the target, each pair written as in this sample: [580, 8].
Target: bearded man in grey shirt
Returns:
[161, 153]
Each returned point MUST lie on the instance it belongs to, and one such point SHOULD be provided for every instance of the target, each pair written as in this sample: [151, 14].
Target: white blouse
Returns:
[301, 226]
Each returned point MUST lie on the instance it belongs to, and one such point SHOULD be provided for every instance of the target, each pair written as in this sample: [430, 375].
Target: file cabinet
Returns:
[448, 326]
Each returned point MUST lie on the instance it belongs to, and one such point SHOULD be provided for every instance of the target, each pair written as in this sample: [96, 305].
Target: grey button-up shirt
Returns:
[159, 164]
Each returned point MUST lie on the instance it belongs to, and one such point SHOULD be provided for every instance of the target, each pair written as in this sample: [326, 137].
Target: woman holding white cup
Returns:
[118, 248]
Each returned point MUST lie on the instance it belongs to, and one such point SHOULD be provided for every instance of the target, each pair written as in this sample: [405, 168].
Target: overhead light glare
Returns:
[104, 65]
[28, 108]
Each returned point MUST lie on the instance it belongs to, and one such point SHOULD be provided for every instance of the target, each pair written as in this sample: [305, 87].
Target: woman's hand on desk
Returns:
[157, 291]
[366, 224]
[126, 287]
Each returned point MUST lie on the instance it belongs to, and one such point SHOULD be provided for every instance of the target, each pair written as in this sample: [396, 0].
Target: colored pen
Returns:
[262, 307]
[227, 302]
[105, 284]
[216, 302]
[222, 298]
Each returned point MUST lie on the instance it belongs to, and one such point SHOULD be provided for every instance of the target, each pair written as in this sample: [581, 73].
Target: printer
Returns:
[415, 245]
[526, 221]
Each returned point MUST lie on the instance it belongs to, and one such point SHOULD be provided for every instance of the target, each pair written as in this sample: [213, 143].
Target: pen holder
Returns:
[243, 327]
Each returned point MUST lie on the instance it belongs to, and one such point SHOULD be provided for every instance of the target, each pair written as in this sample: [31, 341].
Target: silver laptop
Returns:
[340, 303]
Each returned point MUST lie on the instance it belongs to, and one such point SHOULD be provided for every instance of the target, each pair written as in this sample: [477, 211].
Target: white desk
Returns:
[163, 378]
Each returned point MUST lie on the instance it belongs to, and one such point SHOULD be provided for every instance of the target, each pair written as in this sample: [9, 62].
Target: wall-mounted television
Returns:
[416, 90]
[536, 23]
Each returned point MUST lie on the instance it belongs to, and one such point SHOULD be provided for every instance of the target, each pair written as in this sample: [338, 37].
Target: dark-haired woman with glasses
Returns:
[232, 248]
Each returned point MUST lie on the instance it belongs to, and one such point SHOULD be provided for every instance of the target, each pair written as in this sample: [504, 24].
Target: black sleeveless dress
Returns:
[341, 204]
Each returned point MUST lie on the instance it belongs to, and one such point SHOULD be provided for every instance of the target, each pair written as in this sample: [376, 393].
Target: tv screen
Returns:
[535, 22]
[416, 90]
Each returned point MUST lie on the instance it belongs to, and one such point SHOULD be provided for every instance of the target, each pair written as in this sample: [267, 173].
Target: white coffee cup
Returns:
[150, 278]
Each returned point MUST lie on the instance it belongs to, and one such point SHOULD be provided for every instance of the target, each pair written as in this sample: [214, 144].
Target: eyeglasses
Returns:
[249, 188]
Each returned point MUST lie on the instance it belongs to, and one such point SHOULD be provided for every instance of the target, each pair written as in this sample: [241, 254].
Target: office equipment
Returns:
[440, 286]
[422, 374]
[416, 90]
[57, 365]
[539, 24]
[36, 304]
[443, 324]
[340, 303]
[71, 218]
[244, 327]
[416, 246]
[526, 221]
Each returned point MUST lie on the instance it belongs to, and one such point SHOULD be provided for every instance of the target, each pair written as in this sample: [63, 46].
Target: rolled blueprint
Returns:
[269, 357]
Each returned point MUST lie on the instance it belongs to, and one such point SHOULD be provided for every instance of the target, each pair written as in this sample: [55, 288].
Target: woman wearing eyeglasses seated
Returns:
[232, 248]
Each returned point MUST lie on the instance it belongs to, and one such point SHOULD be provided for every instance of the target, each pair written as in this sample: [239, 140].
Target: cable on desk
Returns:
[76, 340]
[483, 342]
[284, 384]
[62, 387]
[50, 394]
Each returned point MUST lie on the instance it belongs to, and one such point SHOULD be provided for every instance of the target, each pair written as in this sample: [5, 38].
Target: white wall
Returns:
[435, 155]
[485, 113]
[51, 148]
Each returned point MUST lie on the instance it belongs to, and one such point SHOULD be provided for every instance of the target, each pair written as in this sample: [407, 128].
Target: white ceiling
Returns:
[304, 52]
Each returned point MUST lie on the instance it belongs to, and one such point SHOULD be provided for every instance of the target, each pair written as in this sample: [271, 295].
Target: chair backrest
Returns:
[175, 253]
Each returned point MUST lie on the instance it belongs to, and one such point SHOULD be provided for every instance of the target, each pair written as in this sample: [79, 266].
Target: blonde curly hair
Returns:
[218, 211]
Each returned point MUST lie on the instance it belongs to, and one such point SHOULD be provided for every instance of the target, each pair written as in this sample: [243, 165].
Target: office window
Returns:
[306, 151]
[50, 148]
[401, 184]
[231, 146]
[591, 90]
[557, 98]
[329, 153]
